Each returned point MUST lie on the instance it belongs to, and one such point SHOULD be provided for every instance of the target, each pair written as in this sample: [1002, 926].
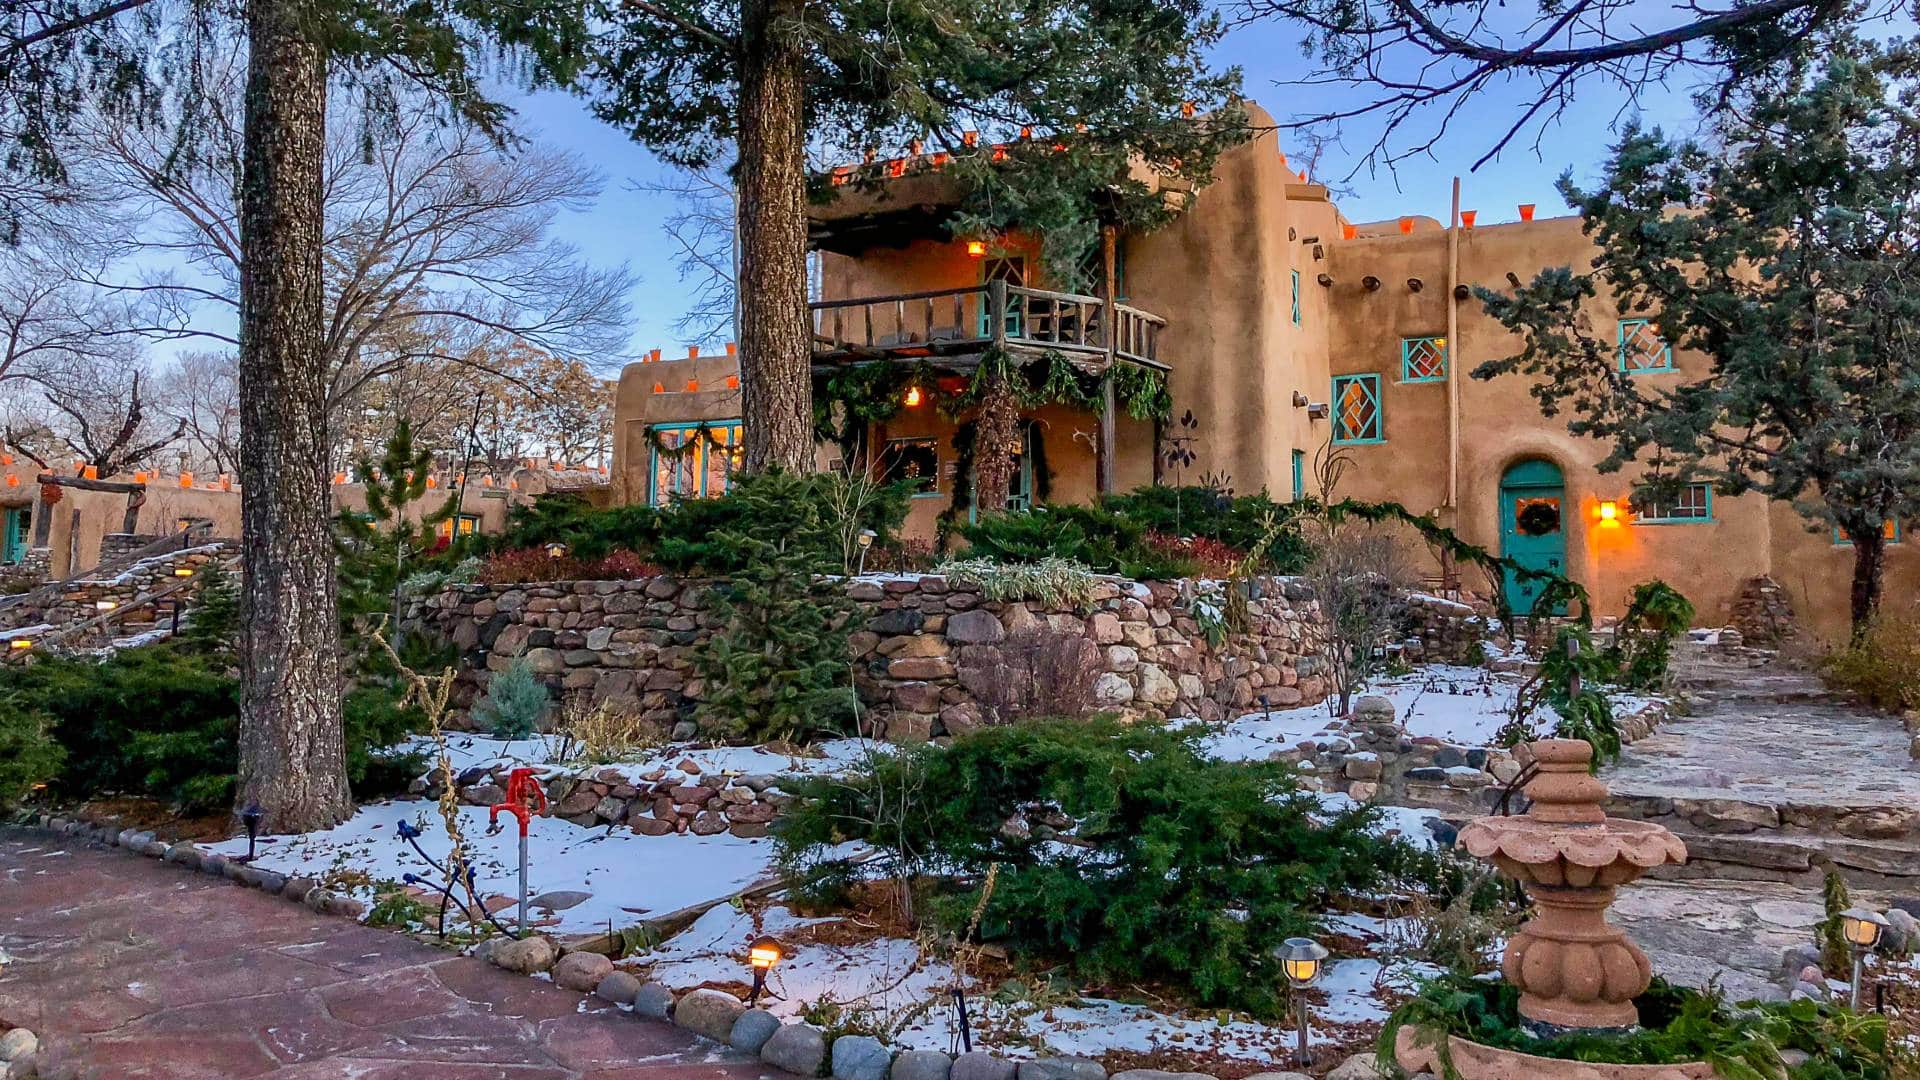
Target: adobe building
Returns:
[1284, 328]
[59, 526]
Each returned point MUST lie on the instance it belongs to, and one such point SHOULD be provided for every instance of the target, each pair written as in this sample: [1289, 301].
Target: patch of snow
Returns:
[465, 751]
[629, 875]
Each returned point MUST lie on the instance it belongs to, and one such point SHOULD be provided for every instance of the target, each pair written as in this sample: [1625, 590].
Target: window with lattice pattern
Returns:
[1642, 350]
[1356, 409]
[1423, 359]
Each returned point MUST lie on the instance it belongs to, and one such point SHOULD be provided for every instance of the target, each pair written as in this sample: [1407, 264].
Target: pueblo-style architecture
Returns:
[1283, 328]
[55, 525]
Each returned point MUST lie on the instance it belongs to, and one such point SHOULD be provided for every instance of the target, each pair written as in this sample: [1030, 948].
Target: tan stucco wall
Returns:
[1220, 275]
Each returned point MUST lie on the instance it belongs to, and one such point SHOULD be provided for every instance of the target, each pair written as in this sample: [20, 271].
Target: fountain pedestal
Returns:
[1574, 969]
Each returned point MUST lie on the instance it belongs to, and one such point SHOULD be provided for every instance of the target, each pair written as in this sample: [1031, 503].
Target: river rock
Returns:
[709, 1012]
[581, 971]
[860, 1057]
[796, 1048]
[752, 1030]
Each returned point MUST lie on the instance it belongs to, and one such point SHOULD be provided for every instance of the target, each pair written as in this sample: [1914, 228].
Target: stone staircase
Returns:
[1767, 777]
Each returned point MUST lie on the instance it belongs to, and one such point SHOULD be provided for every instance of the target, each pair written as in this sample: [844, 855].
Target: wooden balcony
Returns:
[958, 326]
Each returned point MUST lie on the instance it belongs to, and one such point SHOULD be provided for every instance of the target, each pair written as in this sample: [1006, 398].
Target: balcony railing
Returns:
[971, 320]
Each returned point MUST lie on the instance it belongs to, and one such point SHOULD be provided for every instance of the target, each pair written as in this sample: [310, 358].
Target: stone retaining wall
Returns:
[930, 658]
[80, 600]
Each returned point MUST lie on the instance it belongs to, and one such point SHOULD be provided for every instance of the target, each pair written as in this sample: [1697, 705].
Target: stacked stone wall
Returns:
[931, 658]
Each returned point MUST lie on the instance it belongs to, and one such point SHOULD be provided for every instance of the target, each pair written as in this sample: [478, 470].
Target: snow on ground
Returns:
[629, 876]
[1464, 706]
[465, 751]
[892, 984]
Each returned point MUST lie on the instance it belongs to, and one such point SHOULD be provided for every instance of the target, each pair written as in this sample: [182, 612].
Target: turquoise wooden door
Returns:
[13, 537]
[1532, 529]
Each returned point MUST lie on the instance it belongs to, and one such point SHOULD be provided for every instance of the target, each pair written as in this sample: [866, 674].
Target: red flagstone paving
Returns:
[134, 969]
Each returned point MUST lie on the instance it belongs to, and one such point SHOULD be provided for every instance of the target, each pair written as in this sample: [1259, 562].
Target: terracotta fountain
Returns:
[1574, 970]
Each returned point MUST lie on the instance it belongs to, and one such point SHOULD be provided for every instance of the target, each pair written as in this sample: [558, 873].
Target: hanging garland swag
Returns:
[852, 398]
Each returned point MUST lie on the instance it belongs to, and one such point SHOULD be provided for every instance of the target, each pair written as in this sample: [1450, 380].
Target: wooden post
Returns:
[997, 312]
[1104, 477]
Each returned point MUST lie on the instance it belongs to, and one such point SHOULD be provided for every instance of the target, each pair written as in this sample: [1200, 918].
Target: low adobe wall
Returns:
[930, 658]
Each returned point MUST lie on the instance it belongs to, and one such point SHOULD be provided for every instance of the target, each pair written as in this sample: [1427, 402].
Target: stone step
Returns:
[1798, 859]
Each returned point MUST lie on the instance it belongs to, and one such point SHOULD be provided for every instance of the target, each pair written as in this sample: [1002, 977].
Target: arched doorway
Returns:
[1532, 528]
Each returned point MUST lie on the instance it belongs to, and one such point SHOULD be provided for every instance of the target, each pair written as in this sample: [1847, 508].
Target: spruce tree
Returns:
[381, 544]
[779, 668]
[1785, 259]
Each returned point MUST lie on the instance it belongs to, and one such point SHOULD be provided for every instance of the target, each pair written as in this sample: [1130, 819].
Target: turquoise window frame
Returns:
[1622, 332]
[653, 456]
[1840, 538]
[1372, 385]
[1299, 475]
[1669, 519]
[1015, 315]
[1408, 345]
[1296, 298]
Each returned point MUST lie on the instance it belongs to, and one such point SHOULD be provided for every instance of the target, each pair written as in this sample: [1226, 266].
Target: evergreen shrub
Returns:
[1117, 850]
[514, 702]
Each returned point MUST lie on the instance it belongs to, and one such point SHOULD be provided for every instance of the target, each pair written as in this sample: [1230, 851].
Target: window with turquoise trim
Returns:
[1642, 350]
[1693, 505]
[703, 470]
[1296, 298]
[1356, 409]
[1423, 359]
[912, 461]
[1890, 530]
[1299, 475]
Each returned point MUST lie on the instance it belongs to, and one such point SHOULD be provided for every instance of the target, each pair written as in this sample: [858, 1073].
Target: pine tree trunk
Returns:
[1869, 566]
[776, 344]
[292, 757]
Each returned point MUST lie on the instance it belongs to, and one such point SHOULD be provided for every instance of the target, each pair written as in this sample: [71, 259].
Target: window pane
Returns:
[1641, 348]
[913, 460]
[1356, 408]
[1423, 359]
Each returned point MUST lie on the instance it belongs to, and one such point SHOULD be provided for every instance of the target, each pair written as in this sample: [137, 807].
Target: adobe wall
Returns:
[930, 658]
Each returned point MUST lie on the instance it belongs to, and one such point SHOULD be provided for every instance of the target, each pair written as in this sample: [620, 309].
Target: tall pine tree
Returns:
[1107, 87]
[1786, 259]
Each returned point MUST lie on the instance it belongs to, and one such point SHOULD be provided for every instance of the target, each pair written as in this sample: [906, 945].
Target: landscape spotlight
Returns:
[1862, 929]
[865, 539]
[251, 818]
[556, 550]
[104, 605]
[762, 954]
[1302, 960]
[20, 644]
[183, 571]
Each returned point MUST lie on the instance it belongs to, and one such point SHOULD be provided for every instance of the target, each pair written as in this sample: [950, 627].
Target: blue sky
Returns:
[625, 226]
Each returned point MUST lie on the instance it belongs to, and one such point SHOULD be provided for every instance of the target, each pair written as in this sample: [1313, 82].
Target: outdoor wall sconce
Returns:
[1319, 410]
[1609, 510]
[556, 551]
[1461, 292]
[1302, 960]
[1862, 929]
[1371, 283]
[1299, 400]
[913, 398]
[1325, 280]
[977, 249]
[762, 954]
[1414, 284]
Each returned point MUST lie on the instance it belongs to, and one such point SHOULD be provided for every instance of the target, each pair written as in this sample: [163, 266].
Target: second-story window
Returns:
[1356, 409]
[1423, 359]
[1692, 504]
[1296, 298]
[1642, 350]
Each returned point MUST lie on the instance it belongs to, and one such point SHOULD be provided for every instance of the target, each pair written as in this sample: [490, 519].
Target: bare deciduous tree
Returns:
[1416, 63]
[428, 227]
[201, 391]
[701, 232]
